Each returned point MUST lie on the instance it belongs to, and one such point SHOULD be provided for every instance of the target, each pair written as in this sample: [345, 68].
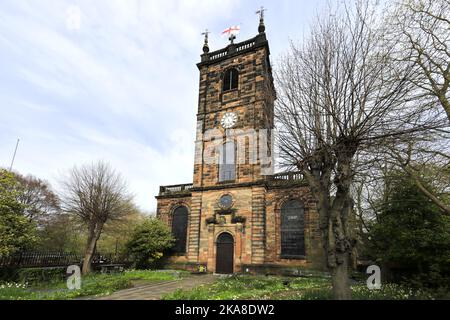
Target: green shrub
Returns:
[148, 242]
[8, 274]
[17, 232]
[38, 275]
[412, 234]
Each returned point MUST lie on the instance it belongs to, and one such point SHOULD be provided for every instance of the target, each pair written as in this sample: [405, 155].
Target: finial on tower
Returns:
[261, 27]
[232, 38]
[231, 32]
[205, 44]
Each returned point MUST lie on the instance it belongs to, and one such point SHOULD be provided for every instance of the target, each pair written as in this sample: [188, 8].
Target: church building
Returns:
[237, 216]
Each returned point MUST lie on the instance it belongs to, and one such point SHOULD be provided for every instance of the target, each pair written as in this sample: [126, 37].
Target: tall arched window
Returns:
[230, 79]
[292, 230]
[179, 229]
[227, 167]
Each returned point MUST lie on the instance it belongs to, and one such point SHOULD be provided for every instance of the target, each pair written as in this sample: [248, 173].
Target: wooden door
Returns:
[225, 254]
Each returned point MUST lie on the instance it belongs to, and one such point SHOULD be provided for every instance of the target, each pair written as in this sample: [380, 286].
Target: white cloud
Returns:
[119, 85]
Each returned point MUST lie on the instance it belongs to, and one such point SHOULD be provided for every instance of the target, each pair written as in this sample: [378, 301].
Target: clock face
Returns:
[229, 120]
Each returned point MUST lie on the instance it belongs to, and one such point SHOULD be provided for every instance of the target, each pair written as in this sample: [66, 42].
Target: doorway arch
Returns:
[225, 253]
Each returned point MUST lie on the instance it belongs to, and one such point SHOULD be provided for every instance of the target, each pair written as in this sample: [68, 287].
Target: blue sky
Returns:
[82, 81]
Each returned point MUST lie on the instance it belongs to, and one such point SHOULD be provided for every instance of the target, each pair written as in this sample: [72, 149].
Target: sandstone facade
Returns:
[254, 216]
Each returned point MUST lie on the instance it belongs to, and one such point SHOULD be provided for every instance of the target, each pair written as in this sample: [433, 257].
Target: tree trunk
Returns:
[340, 240]
[333, 216]
[340, 281]
[94, 234]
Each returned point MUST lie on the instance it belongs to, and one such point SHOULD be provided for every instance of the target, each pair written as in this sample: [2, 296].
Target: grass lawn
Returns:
[279, 288]
[95, 284]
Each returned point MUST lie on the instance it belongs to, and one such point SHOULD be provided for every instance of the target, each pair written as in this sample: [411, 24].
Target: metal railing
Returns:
[34, 259]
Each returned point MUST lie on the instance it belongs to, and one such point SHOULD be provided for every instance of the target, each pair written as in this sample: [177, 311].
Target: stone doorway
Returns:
[225, 253]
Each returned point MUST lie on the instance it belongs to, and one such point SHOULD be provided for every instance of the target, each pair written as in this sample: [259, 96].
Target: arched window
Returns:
[230, 79]
[227, 166]
[179, 229]
[292, 230]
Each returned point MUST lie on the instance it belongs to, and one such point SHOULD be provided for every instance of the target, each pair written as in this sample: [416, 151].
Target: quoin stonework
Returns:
[238, 216]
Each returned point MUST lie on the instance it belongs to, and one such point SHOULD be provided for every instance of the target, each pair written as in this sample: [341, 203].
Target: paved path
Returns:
[155, 290]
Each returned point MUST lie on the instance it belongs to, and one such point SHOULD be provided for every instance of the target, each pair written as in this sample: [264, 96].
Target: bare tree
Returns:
[420, 29]
[96, 194]
[340, 100]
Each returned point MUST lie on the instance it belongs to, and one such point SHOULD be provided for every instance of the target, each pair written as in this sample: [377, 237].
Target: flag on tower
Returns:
[234, 30]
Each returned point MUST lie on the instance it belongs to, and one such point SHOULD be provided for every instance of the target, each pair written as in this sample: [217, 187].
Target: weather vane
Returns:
[260, 12]
[206, 35]
[205, 45]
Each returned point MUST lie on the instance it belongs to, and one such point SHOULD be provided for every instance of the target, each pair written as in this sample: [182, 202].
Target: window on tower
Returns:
[227, 162]
[230, 79]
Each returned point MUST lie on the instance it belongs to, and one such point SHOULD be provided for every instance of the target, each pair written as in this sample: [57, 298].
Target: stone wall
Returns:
[258, 239]
[242, 206]
[251, 103]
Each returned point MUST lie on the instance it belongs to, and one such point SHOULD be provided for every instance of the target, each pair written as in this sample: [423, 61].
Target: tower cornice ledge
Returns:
[234, 49]
[278, 180]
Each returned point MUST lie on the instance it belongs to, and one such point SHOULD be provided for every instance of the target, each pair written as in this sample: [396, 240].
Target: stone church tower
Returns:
[237, 216]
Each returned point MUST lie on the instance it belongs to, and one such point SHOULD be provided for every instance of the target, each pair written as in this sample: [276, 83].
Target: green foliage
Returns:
[16, 231]
[60, 233]
[412, 236]
[39, 275]
[156, 275]
[94, 284]
[236, 287]
[279, 288]
[389, 291]
[360, 292]
[148, 242]
[40, 202]
[116, 233]
[247, 287]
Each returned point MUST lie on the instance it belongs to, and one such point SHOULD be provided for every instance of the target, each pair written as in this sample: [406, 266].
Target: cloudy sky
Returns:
[116, 80]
